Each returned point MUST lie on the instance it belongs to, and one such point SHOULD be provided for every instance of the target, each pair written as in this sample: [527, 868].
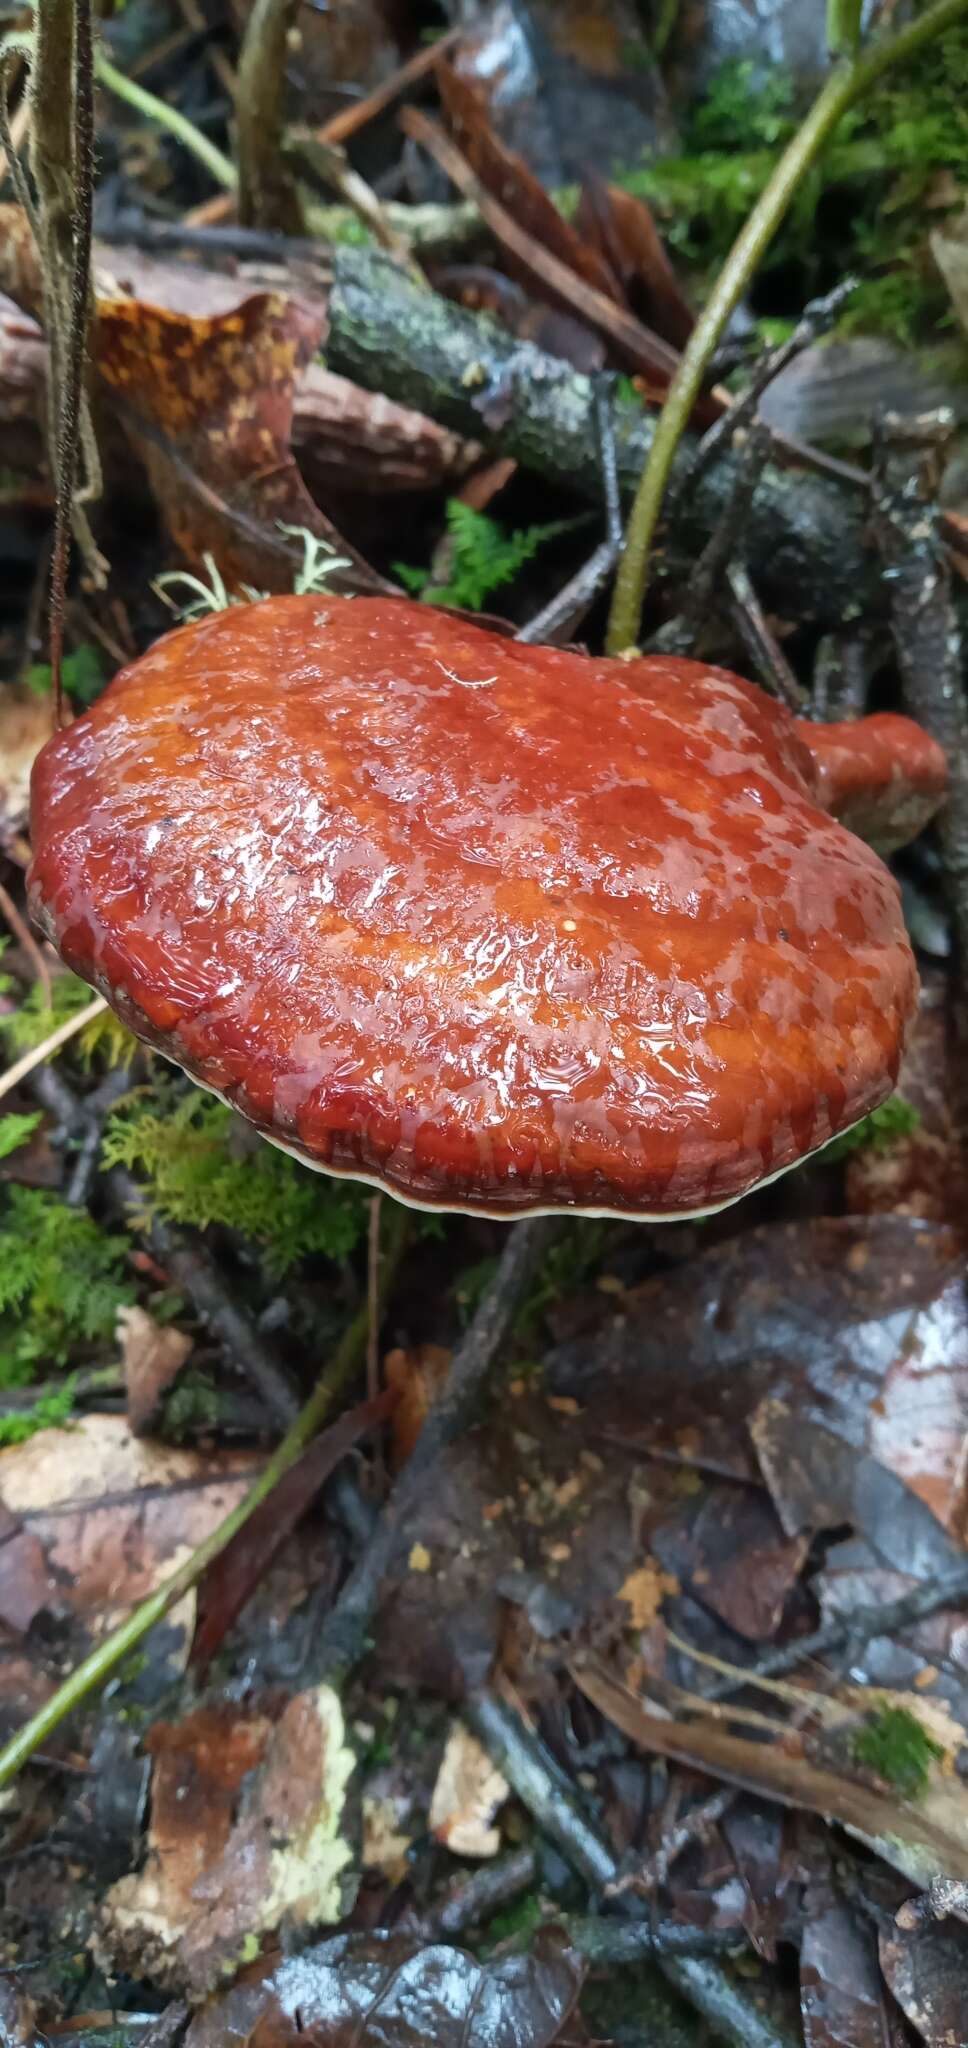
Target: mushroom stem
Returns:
[850, 79]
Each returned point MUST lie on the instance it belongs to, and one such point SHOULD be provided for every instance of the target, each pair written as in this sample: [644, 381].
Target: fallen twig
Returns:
[195, 1275]
[540, 1784]
[888, 1618]
[808, 542]
[48, 1046]
[475, 1897]
[344, 1633]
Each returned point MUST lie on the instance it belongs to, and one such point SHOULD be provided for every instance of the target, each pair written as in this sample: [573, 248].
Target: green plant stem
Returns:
[848, 82]
[164, 116]
[843, 26]
[268, 194]
[330, 1388]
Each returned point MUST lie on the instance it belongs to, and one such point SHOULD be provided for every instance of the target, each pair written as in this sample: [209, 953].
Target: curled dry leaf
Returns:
[246, 1831]
[468, 1792]
[152, 1355]
[381, 1990]
[207, 403]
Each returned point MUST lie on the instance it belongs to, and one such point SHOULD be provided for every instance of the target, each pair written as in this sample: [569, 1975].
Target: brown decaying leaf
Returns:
[378, 1990]
[507, 177]
[622, 227]
[246, 1830]
[207, 403]
[152, 1355]
[857, 1324]
[233, 1576]
[347, 439]
[417, 1377]
[25, 1584]
[631, 344]
[114, 1513]
[919, 1838]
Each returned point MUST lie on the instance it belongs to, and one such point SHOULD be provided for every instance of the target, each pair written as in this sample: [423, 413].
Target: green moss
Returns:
[895, 1744]
[201, 1167]
[894, 1119]
[51, 1412]
[36, 1019]
[62, 1281]
[15, 1130]
[863, 208]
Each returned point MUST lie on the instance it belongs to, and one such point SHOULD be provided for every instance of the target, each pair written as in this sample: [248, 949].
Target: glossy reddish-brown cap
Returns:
[496, 927]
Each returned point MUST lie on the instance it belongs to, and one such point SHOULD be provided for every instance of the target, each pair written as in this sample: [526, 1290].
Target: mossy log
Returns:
[808, 542]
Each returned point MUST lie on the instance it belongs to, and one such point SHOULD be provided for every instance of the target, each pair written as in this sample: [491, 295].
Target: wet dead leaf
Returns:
[116, 1514]
[374, 1990]
[246, 1832]
[207, 403]
[857, 1323]
[841, 1992]
[244, 1562]
[25, 1583]
[152, 1355]
[467, 1795]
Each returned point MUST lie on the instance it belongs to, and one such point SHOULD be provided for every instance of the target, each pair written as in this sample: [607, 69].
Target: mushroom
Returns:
[493, 927]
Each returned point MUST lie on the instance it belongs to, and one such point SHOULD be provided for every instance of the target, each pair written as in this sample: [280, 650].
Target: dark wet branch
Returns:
[809, 549]
[197, 1277]
[909, 461]
[344, 1636]
[733, 2011]
[473, 1898]
[888, 1618]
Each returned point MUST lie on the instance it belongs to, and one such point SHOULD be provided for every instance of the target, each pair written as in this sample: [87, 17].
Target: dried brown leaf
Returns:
[152, 1355]
[207, 403]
